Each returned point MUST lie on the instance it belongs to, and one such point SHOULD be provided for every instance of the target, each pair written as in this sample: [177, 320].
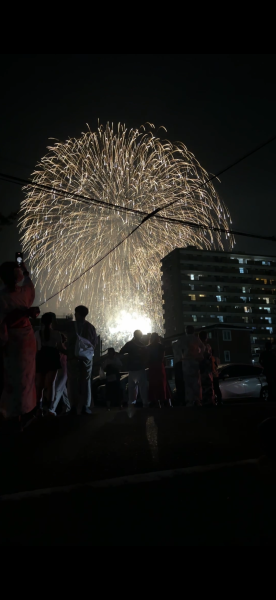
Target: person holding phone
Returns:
[18, 340]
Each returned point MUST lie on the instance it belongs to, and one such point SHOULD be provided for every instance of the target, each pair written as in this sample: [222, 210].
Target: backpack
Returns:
[83, 348]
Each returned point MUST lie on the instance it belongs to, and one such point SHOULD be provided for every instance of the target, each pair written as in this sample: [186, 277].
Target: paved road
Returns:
[70, 450]
[225, 505]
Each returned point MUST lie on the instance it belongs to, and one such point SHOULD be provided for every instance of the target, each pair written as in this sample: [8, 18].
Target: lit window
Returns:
[193, 297]
[240, 261]
[245, 319]
[241, 269]
[192, 277]
[218, 298]
[247, 309]
[210, 335]
[220, 319]
[226, 335]
[267, 300]
[244, 298]
[243, 290]
[202, 295]
[227, 356]
[270, 329]
[218, 288]
[194, 317]
[265, 262]
[268, 319]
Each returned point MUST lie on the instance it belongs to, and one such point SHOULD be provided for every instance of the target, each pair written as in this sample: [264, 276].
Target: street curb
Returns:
[154, 476]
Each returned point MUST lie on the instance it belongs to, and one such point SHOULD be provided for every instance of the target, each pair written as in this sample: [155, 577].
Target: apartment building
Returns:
[203, 287]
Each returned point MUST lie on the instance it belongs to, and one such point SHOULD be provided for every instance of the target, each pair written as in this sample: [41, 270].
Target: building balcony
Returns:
[242, 281]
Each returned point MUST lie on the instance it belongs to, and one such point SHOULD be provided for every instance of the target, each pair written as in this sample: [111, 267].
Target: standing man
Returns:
[80, 369]
[193, 353]
[178, 369]
[136, 351]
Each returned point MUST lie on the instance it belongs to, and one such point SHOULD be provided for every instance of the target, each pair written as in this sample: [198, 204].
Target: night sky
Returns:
[219, 105]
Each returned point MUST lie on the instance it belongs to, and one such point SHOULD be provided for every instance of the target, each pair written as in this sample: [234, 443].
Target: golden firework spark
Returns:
[63, 236]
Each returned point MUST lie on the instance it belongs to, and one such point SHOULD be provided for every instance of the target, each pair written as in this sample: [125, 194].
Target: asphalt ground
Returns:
[68, 450]
[78, 461]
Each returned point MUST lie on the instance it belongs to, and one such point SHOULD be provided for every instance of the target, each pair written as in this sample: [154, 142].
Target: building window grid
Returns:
[262, 280]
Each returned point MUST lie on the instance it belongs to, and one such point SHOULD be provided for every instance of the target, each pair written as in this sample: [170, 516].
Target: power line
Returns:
[109, 205]
[147, 216]
[233, 164]
[60, 192]
[94, 265]
[272, 238]
[154, 213]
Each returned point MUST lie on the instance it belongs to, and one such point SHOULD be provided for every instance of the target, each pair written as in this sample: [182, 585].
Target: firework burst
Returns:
[63, 235]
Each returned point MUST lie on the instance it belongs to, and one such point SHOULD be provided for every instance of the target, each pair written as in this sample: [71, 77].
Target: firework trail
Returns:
[63, 236]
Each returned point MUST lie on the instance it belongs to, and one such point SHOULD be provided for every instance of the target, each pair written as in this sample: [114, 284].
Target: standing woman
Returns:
[206, 371]
[18, 341]
[158, 389]
[49, 345]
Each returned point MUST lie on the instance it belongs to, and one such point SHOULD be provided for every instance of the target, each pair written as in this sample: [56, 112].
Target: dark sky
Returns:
[219, 105]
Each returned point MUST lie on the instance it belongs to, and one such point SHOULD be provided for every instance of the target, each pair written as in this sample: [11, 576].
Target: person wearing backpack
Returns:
[80, 352]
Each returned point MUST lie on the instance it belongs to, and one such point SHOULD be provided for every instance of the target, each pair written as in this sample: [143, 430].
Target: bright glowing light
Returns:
[126, 323]
[63, 236]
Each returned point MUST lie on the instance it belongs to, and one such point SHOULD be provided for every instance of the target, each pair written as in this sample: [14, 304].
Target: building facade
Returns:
[203, 287]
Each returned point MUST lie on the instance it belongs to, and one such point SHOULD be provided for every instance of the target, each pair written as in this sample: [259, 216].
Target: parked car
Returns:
[241, 381]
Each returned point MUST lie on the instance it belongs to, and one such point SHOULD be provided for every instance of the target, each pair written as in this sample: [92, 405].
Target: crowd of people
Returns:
[41, 368]
[44, 367]
[196, 369]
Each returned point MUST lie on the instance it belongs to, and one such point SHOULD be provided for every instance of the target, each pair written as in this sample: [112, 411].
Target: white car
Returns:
[241, 381]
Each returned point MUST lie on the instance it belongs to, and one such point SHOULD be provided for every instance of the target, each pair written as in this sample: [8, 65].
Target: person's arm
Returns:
[60, 345]
[92, 334]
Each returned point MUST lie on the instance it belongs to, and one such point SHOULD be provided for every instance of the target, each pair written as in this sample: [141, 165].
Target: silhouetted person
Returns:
[268, 362]
[136, 366]
[157, 374]
[60, 394]
[215, 363]
[192, 355]
[18, 341]
[206, 371]
[80, 369]
[178, 370]
[49, 346]
[112, 366]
